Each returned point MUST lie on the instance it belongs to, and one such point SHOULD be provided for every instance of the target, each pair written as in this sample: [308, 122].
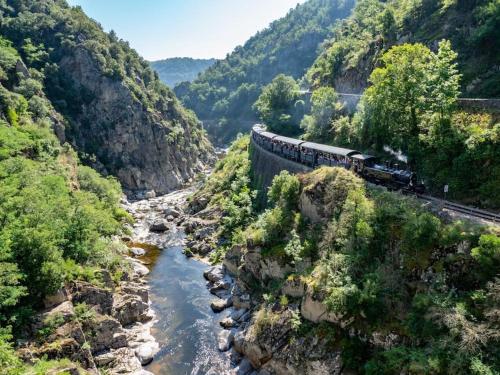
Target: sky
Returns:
[159, 29]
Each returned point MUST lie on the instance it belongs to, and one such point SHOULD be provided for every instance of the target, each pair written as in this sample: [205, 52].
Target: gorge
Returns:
[128, 245]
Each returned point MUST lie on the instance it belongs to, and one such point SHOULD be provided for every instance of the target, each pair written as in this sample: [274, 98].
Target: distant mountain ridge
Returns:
[225, 92]
[175, 70]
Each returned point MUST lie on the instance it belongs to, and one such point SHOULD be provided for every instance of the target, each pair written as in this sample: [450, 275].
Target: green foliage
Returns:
[277, 105]
[325, 109]
[84, 314]
[9, 362]
[487, 254]
[50, 324]
[294, 248]
[228, 190]
[284, 190]
[413, 84]
[375, 26]
[56, 217]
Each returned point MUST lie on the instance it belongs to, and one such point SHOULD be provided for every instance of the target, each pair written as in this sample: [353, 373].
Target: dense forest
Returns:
[374, 26]
[180, 69]
[226, 92]
[57, 216]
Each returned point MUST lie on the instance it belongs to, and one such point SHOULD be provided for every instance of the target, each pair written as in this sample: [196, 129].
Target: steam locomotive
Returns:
[315, 155]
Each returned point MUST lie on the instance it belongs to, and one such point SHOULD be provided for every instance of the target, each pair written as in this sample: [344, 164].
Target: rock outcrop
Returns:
[110, 333]
[141, 147]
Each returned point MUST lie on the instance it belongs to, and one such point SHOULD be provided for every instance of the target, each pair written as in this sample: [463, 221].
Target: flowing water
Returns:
[186, 327]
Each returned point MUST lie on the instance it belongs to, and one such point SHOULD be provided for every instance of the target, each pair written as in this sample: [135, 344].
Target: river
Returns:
[186, 328]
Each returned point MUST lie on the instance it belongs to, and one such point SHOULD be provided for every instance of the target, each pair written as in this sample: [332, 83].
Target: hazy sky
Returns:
[178, 28]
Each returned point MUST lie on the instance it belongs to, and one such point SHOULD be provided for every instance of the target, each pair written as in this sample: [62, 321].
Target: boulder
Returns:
[169, 211]
[159, 225]
[137, 251]
[228, 322]
[224, 284]
[232, 260]
[225, 340]
[100, 298]
[313, 309]
[106, 333]
[238, 314]
[104, 359]
[293, 287]
[150, 194]
[219, 305]
[56, 299]
[214, 274]
[136, 289]
[126, 362]
[244, 368]
[146, 352]
[139, 270]
[129, 309]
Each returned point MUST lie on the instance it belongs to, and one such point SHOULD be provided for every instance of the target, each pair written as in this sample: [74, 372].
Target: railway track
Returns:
[441, 203]
[470, 211]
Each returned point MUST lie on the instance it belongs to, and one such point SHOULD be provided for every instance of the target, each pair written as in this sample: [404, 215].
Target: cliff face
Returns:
[155, 149]
[119, 116]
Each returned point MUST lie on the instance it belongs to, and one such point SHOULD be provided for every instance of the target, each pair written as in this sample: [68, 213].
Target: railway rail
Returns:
[460, 208]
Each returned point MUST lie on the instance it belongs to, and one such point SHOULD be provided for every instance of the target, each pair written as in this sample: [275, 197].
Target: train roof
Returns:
[363, 157]
[330, 149]
[292, 141]
[268, 134]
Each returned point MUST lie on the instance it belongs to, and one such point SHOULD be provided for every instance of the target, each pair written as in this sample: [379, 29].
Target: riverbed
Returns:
[185, 327]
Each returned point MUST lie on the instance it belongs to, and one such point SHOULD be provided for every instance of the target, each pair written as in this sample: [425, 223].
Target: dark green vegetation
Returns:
[380, 262]
[279, 105]
[226, 92]
[375, 26]
[180, 69]
[228, 190]
[56, 215]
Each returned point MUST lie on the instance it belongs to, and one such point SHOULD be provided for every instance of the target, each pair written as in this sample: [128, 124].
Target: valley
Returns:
[324, 200]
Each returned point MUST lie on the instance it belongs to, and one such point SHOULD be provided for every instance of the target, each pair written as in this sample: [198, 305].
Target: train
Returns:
[316, 155]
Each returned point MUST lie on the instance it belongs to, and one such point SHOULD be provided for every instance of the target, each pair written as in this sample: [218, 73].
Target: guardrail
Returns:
[471, 211]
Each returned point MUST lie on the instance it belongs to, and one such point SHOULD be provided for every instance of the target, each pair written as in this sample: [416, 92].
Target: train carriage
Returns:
[315, 154]
[318, 154]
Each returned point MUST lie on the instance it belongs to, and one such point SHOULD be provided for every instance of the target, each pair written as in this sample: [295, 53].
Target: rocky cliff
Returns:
[118, 114]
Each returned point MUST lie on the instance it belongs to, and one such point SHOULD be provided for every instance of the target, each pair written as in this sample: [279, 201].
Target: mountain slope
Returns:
[226, 92]
[375, 26]
[180, 69]
[118, 115]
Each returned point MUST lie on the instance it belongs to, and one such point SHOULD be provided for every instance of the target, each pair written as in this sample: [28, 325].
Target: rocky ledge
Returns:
[100, 327]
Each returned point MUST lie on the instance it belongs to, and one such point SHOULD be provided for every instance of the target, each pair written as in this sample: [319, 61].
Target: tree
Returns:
[324, 110]
[413, 84]
[276, 105]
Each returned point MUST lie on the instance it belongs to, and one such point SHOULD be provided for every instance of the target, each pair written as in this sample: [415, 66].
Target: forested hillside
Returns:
[180, 69]
[226, 92]
[117, 113]
[69, 93]
[57, 216]
[358, 42]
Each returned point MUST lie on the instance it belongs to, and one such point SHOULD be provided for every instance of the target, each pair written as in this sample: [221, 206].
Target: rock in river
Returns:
[159, 225]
